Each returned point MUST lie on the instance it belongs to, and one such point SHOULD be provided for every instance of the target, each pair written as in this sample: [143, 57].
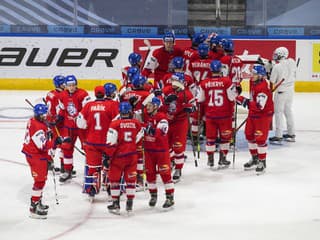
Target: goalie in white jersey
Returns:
[285, 68]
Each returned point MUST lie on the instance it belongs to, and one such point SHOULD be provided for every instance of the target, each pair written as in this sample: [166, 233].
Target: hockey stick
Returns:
[54, 182]
[198, 133]
[244, 121]
[234, 135]
[190, 133]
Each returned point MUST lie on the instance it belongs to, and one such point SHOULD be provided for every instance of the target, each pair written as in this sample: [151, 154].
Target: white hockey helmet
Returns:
[280, 53]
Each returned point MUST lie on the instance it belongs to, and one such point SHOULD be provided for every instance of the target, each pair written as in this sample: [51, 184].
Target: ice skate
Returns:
[43, 206]
[251, 163]
[275, 140]
[91, 194]
[65, 177]
[37, 212]
[153, 199]
[223, 162]
[168, 204]
[129, 205]
[176, 176]
[210, 162]
[289, 138]
[115, 206]
[261, 167]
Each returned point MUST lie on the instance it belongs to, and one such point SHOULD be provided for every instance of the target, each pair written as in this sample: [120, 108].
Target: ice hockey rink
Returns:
[234, 204]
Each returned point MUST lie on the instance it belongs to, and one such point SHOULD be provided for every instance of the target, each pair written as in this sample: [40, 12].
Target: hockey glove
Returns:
[157, 92]
[58, 141]
[170, 98]
[245, 103]
[260, 61]
[239, 89]
[133, 101]
[241, 100]
[67, 140]
[189, 108]
[150, 130]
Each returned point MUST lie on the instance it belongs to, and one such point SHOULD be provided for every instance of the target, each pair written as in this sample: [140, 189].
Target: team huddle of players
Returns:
[141, 128]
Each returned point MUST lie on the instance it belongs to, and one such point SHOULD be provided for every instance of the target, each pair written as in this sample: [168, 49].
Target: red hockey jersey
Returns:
[35, 140]
[159, 63]
[124, 136]
[96, 117]
[72, 105]
[217, 94]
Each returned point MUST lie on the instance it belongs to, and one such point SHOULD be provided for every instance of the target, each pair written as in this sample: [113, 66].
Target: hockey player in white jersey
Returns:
[285, 68]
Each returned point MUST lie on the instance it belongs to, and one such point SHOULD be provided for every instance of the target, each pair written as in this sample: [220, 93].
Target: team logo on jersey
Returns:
[71, 109]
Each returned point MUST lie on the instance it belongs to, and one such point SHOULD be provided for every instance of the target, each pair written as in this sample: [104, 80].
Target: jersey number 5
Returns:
[128, 136]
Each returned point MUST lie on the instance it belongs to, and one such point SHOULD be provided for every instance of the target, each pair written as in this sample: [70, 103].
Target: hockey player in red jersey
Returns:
[216, 50]
[157, 158]
[231, 64]
[199, 70]
[124, 137]
[54, 118]
[191, 53]
[53, 101]
[37, 149]
[160, 59]
[127, 85]
[135, 60]
[179, 102]
[261, 110]
[177, 65]
[136, 97]
[217, 95]
[73, 100]
[95, 117]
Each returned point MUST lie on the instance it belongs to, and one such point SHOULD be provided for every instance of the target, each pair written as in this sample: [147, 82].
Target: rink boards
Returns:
[31, 62]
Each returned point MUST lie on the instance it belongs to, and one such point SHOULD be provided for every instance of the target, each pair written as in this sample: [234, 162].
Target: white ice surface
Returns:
[283, 204]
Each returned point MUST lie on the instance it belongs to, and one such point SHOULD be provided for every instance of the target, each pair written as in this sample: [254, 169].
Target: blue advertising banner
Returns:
[208, 30]
[272, 31]
[139, 30]
[66, 29]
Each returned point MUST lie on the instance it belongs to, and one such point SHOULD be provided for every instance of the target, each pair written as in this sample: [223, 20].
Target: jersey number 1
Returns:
[98, 122]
